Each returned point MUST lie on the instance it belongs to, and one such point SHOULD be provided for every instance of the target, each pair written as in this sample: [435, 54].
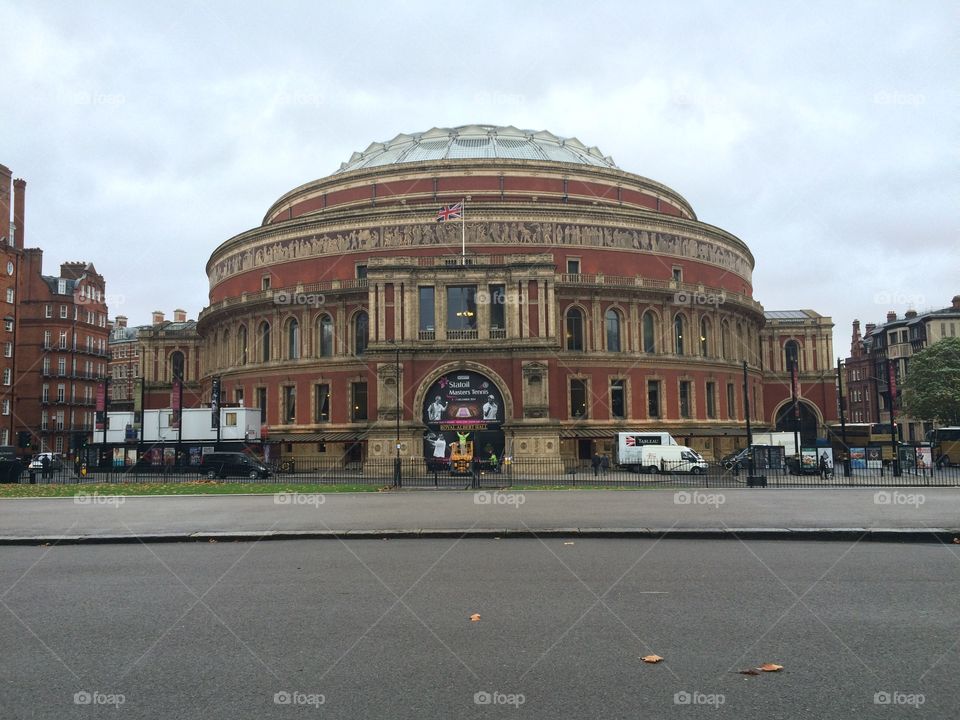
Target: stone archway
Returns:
[808, 423]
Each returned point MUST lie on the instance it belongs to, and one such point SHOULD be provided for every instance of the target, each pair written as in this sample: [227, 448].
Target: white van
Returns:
[630, 446]
[670, 459]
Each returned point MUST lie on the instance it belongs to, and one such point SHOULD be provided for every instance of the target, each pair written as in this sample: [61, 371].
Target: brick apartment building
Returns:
[55, 340]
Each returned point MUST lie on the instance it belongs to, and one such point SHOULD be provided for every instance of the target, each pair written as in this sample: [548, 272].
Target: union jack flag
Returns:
[631, 441]
[450, 212]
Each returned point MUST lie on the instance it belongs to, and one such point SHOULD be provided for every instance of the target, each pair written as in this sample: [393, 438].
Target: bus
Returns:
[946, 445]
[862, 435]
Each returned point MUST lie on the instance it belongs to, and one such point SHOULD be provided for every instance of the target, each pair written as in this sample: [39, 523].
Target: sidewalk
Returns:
[907, 514]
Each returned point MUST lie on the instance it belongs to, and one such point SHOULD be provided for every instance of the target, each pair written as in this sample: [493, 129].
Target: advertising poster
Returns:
[464, 414]
[808, 459]
[825, 455]
[195, 455]
[924, 457]
[119, 457]
[169, 456]
[874, 458]
[858, 458]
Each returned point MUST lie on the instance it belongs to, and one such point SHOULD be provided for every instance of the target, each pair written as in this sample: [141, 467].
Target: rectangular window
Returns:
[685, 398]
[289, 404]
[63, 312]
[461, 307]
[6, 376]
[265, 282]
[618, 404]
[8, 349]
[63, 339]
[60, 420]
[45, 396]
[9, 295]
[653, 398]
[361, 272]
[61, 393]
[62, 286]
[46, 366]
[578, 398]
[573, 266]
[678, 274]
[238, 396]
[731, 401]
[428, 311]
[262, 404]
[711, 400]
[358, 401]
[321, 408]
[6, 407]
[498, 307]
[48, 311]
[8, 324]
[230, 419]
[58, 445]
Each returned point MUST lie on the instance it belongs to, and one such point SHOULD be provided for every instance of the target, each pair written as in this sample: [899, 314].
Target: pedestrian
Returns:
[604, 464]
[475, 466]
[45, 466]
[824, 466]
[595, 464]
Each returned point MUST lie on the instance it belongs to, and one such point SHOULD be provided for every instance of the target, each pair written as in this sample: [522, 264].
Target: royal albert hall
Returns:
[568, 301]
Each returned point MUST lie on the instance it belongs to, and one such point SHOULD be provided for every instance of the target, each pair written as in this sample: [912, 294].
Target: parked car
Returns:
[10, 469]
[737, 461]
[54, 464]
[223, 464]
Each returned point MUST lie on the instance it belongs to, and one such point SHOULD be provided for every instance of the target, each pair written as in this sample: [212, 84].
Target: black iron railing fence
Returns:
[533, 472]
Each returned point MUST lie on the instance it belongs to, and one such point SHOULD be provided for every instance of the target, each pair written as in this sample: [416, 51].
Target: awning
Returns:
[331, 436]
[608, 433]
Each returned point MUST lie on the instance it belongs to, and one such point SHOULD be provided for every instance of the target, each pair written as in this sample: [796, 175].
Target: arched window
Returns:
[325, 336]
[791, 355]
[574, 329]
[227, 350]
[361, 333]
[176, 365]
[293, 339]
[264, 337]
[725, 340]
[613, 331]
[242, 345]
[739, 348]
[679, 327]
[704, 337]
[649, 333]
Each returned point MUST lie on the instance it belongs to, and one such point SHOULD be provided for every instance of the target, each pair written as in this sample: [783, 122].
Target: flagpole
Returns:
[463, 232]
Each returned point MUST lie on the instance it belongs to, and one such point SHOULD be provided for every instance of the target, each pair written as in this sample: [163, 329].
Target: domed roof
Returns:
[477, 141]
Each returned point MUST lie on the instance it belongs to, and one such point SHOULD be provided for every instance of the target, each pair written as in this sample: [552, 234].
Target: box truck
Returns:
[630, 445]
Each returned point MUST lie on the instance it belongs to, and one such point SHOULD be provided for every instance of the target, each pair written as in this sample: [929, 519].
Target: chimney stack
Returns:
[157, 317]
[955, 303]
[179, 315]
[19, 216]
[5, 190]
[870, 328]
[910, 314]
[120, 321]
[891, 316]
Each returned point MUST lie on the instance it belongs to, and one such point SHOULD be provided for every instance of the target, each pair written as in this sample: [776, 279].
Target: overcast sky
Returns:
[822, 134]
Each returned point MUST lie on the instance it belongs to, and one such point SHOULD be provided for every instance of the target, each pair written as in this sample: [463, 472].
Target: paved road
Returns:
[540, 510]
[381, 629]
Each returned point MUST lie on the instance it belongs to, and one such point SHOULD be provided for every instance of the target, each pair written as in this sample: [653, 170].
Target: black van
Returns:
[222, 464]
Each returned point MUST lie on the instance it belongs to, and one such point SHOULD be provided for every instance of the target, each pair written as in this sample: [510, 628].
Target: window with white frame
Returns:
[48, 311]
[8, 349]
[6, 376]
[61, 286]
[9, 295]
[63, 312]
[5, 407]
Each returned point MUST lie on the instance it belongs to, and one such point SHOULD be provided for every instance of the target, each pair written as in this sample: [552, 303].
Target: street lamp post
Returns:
[397, 467]
[752, 479]
[843, 420]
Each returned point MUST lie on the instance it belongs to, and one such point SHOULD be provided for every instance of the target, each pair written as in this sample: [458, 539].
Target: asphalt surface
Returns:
[529, 511]
[381, 629]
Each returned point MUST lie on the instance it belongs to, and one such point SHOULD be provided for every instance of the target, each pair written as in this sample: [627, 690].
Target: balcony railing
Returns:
[461, 334]
[427, 335]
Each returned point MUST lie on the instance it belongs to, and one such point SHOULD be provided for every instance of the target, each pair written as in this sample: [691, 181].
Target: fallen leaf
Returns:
[749, 671]
[212, 540]
[770, 667]
[475, 617]
[651, 659]
[957, 540]
[568, 543]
